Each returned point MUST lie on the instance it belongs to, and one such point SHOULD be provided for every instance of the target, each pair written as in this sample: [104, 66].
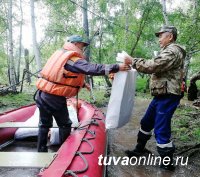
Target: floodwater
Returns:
[126, 137]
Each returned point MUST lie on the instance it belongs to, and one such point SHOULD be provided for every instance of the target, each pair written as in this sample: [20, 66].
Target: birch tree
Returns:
[20, 41]
[126, 24]
[86, 28]
[164, 10]
[26, 57]
[10, 51]
[34, 36]
[87, 36]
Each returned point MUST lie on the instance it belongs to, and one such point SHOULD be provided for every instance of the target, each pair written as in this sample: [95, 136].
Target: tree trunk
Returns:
[20, 42]
[11, 58]
[87, 51]
[165, 12]
[86, 33]
[126, 24]
[86, 29]
[34, 35]
[108, 83]
[100, 46]
[26, 54]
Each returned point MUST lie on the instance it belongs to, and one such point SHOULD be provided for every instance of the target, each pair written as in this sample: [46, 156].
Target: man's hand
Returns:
[128, 61]
[111, 76]
[124, 67]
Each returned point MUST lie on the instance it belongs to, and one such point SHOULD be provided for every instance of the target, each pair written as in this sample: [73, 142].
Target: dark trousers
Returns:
[52, 106]
[158, 117]
[61, 117]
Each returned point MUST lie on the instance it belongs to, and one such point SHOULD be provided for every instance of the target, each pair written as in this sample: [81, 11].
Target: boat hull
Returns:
[79, 153]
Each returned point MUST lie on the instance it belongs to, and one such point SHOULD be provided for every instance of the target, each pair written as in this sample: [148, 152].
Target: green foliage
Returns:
[99, 97]
[48, 49]
[197, 133]
[141, 84]
[198, 84]
[194, 66]
[119, 22]
[185, 124]
[65, 20]
[102, 5]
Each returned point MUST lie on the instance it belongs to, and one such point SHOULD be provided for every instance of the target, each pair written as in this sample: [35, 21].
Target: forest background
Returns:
[31, 30]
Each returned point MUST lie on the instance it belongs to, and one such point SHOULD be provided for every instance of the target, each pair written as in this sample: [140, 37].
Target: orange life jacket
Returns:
[54, 79]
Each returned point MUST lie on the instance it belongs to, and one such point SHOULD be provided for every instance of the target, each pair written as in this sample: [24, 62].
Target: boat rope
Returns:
[71, 173]
[79, 171]
[92, 133]
[81, 154]
[88, 135]
[96, 116]
[46, 167]
[7, 143]
[91, 122]
[92, 147]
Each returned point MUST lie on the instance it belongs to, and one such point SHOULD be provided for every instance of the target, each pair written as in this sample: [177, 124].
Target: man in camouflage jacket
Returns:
[166, 77]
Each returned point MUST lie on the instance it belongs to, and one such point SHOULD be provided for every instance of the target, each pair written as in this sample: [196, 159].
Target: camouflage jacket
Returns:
[166, 70]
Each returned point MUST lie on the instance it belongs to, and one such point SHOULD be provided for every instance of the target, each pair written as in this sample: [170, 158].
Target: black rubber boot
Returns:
[42, 140]
[167, 152]
[140, 147]
[64, 132]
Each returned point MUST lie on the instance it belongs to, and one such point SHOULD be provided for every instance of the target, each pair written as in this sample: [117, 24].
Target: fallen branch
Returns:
[193, 147]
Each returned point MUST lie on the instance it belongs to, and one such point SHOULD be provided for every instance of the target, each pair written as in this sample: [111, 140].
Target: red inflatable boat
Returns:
[77, 156]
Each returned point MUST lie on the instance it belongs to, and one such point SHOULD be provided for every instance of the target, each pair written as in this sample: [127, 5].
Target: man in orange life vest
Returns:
[63, 76]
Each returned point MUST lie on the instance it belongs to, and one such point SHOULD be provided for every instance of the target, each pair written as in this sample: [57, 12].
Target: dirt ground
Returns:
[126, 137]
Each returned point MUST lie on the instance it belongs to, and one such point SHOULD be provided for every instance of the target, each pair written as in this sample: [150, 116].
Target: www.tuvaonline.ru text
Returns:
[151, 159]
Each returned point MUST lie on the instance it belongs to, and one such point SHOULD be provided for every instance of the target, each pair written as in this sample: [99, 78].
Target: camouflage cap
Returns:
[171, 29]
[77, 38]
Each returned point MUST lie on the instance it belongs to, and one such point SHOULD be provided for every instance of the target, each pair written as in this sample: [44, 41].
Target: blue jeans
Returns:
[158, 117]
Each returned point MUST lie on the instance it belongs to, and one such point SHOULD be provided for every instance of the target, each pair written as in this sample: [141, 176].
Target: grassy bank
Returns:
[12, 101]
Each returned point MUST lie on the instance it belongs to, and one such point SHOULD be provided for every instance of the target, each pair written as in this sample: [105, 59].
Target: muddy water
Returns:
[125, 138]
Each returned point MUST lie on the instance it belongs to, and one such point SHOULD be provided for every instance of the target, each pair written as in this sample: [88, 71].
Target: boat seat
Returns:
[28, 125]
[26, 159]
